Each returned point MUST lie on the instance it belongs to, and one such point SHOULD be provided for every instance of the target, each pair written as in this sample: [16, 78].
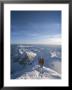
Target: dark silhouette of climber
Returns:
[41, 62]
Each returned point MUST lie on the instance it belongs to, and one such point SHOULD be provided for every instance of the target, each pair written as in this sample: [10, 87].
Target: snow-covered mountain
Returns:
[27, 54]
[25, 58]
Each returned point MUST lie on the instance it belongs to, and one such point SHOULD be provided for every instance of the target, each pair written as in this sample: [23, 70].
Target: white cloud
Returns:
[51, 40]
[46, 39]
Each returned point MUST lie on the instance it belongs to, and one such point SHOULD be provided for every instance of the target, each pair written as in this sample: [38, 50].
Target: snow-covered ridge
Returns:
[47, 73]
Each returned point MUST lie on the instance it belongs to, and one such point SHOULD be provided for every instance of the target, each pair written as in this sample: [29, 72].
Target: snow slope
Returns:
[40, 73]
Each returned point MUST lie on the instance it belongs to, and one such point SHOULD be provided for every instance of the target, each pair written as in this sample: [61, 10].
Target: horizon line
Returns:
[35, 44]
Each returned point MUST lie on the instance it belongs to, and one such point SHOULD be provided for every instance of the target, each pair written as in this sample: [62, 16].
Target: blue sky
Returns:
[36, 27]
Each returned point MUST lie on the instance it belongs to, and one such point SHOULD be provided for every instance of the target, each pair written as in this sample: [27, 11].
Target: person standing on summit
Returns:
[41, 62]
